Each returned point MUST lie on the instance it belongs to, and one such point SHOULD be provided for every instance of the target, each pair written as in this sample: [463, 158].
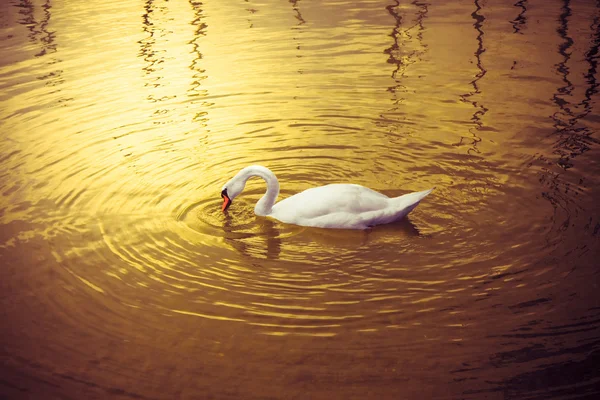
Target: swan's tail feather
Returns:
[406, 203]
[410, 198]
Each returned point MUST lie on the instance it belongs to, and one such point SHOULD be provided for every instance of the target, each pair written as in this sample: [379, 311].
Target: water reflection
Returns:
[262, 243]
[41, 35]
[565, 111]
[196, 90]
[38, 30]
[408, 47]
[154, 17]
[521, 20]
[480, 109]
[199, 33]
[298, 16]
[573, 130]
[251, 11]
[120, 270]
[545, 374]
[591, 57]
[575, 137]
[298, 32]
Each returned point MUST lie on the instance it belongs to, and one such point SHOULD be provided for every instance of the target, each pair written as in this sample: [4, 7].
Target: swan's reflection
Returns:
[264, 243]
[405, 227]
[348, 238]
[267, 240]
[352, 239]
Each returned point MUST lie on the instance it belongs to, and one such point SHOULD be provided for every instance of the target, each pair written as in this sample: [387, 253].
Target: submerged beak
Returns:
[226, 200]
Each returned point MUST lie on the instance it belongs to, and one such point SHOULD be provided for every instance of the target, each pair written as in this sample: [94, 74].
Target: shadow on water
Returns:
[480, 109]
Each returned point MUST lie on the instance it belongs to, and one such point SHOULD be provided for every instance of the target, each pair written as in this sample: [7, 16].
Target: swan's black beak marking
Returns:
[226, 200]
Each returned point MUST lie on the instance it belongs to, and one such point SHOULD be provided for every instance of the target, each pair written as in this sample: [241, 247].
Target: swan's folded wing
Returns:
[327, 200]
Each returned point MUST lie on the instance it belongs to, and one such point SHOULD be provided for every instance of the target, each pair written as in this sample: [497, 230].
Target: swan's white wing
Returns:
[330, 205]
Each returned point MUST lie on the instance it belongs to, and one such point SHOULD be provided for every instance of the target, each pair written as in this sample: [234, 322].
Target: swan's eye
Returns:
[224, 193]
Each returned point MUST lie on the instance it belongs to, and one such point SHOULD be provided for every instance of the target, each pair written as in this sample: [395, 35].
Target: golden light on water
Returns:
[121, 122]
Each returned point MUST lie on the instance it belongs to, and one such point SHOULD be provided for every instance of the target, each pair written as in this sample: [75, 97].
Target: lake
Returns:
[120, 276]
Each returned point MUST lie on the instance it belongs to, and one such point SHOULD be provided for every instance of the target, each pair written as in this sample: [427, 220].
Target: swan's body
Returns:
[342, 206]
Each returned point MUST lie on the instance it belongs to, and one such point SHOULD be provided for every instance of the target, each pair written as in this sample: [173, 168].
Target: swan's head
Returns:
[230, 191]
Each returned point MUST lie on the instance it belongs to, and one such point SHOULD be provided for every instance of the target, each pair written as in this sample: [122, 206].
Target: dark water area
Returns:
[120, 276]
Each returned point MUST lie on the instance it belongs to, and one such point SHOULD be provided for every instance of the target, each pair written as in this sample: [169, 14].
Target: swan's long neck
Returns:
[265, 204]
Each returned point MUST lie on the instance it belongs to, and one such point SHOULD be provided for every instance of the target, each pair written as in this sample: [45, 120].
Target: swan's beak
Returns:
[226, 200]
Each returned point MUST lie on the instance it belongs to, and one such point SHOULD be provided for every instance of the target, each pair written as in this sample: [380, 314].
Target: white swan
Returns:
[342, 206]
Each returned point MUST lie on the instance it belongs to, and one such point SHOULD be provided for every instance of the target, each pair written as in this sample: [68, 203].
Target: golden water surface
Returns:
[121, 278]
